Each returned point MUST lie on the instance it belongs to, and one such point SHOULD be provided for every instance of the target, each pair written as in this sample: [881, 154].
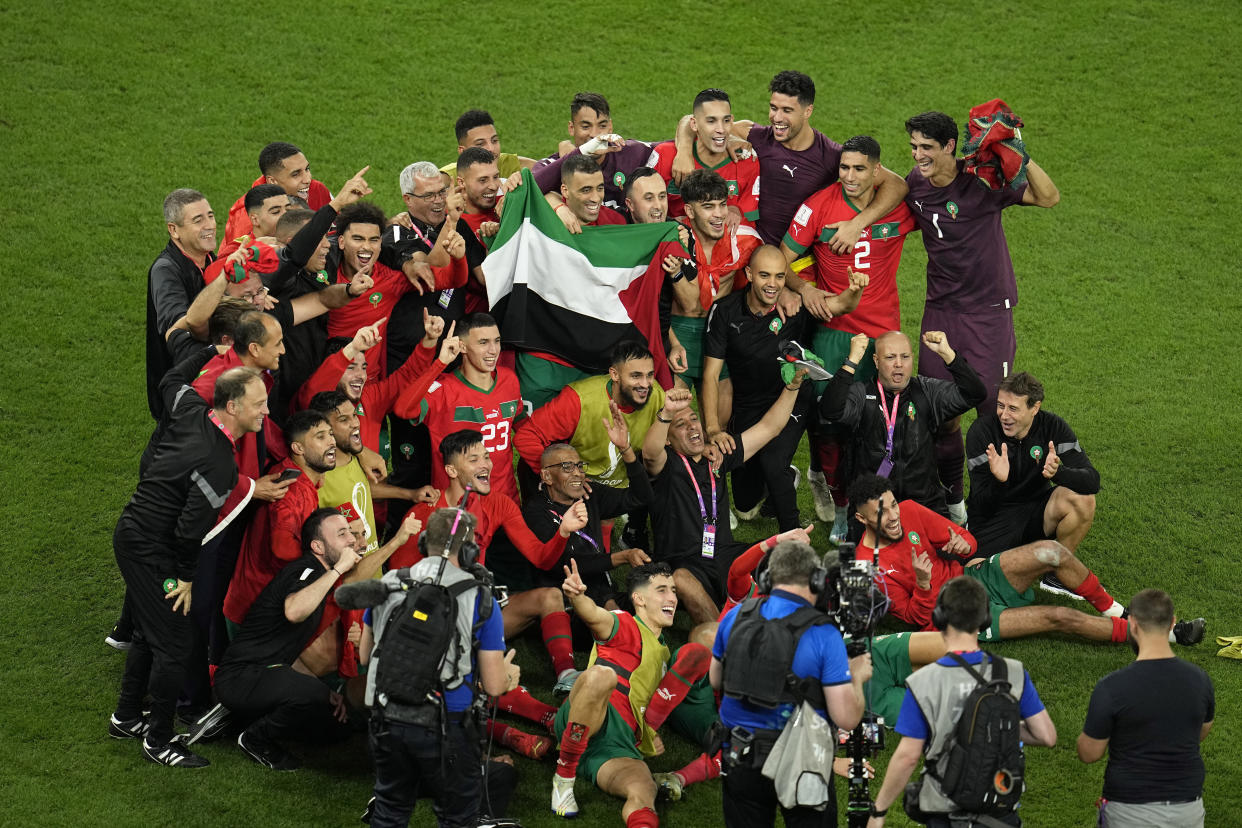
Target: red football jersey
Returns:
[453, 404]
[741, 176]
[877, 252]
[390, 285]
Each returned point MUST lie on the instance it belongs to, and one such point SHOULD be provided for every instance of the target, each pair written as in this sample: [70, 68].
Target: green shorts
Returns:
[542, 379]
[890, 666]
[833, 346]
[1001, 594]
[694, 715]
[691, 331]
[615, 740]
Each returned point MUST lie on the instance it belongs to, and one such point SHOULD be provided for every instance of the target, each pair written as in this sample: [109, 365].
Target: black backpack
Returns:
[758, 662]
[418, 639]
[982, 766]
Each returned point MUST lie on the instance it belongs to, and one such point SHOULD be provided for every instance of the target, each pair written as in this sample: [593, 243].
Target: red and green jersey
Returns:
[452, 404]
[730, 255]
[877, 253]
[922, 530]
[640, 657]
[741, 176]
[377, 303]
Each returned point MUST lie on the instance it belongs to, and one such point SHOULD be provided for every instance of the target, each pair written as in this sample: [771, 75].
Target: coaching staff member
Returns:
[157, 542]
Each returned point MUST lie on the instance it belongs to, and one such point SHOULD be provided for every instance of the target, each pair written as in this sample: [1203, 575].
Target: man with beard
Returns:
[795, 160]
[478, 180]
[745, 333]
[274, 537]
[582, 194]
[349, 482]
[480, 395]
[581, 414]
[689, 515]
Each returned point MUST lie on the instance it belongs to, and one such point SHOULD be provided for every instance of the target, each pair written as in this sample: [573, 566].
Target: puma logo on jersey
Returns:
[919, 204]
[797, 418]
[788, 169]
[737, 326]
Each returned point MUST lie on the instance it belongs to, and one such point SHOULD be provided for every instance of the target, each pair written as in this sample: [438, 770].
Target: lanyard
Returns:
[211, 415]
[890, 420]
[425, 240]
[699, 492]
[556, 517]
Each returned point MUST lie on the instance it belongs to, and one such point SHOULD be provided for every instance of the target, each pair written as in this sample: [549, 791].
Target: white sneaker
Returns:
[840, 525]
[565, 682]
[821, 494]
[564, 804]
[957, 512]
[749, 514]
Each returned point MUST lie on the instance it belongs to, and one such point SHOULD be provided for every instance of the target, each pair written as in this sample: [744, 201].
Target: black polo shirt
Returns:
[676, 519]
[266, 636]
[750, 345]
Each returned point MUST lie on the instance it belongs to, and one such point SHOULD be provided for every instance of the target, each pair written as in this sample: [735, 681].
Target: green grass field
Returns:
[1128, 298]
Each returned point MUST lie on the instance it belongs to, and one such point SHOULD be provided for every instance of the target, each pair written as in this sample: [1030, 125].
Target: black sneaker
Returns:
[119, 639]
[1189, 633]
[209, 725]
[369, 811]
[268, 754]
[1051, 583]
[127, 728]
[174, 754]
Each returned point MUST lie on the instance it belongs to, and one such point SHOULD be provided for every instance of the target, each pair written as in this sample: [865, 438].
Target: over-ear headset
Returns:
[818, 580]
[467, 550]
[940, 616]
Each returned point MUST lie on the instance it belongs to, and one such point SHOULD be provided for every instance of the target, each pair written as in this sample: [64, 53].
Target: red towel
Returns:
[994, 152]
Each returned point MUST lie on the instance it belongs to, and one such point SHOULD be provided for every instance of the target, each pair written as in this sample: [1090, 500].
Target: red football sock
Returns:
[1094, 593]
[740, 581]
[527, 744]
[573, 745]
[558, 638]
[642, 818]
[690, 665]
[700, 769]
[1120, 627]
[520, 702]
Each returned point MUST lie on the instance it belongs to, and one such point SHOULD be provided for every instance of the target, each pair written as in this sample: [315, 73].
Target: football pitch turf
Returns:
[1129, 305]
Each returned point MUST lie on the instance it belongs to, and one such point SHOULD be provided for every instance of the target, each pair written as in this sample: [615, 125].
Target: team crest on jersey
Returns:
[1037, 453]
[358, 410]
[732, 188]
[775, 325]
[375, 298]
[618, 179]
[952, 208]
[914, 538]
[407, 450]
[884, 231]
[322, 276]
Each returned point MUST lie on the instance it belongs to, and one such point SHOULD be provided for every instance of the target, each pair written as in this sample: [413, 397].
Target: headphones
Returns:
[940, 615]
[467, 550]
[818, 580]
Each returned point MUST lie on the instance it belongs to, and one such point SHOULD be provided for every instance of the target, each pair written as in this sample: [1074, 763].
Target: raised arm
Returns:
[654, 456]
[762, 432]
[597, 619]
[1040, 191]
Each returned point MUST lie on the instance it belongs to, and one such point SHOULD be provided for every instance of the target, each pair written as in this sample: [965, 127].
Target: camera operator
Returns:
[437, 753]
[749, 797]
[934, 699]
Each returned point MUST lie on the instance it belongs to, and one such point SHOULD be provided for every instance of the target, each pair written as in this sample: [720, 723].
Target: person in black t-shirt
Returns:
[257, 676]
[1149, 718]
[690, 513]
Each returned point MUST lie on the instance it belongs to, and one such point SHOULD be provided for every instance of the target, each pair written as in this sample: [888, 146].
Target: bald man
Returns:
[744, 332]
[892, 423]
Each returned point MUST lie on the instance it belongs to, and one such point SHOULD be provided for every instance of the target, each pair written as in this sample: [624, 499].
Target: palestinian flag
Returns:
[575, 296]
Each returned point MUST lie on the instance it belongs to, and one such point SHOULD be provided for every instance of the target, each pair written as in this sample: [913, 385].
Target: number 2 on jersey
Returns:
[861, 250]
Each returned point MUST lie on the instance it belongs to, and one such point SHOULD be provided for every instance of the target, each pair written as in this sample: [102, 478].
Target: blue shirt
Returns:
[491, 637]
[820, 655]
[911, 721]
